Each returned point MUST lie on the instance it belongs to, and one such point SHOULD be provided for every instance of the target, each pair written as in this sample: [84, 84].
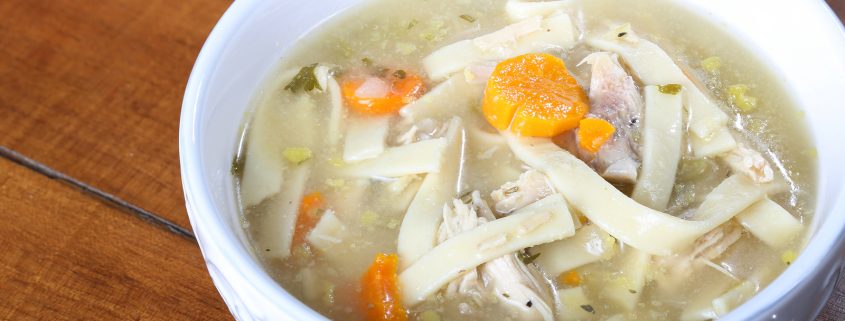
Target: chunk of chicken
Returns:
[512, 282]
[713, 244]
[615, 98]
[424, 129]
[749, 162]
[531, 186]
[705, 249]
[457, 219]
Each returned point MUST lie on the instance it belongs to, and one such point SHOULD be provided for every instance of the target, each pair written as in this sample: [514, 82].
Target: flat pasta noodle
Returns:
[532, 34]
[453, 96]
[520, 9]
[770, 223]
[416, 158]
[625, 288]
[573, 304]
[417, 234]
[365, 137]
[328, 232]
[337, 113]
[264, 167]
[589, 244]
[275, 237]
[662, 136]
[634, 224]
[532, 225]
[714, 308]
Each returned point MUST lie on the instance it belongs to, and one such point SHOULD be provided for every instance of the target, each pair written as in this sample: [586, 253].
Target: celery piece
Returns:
[369, 218]
[711, 64]
[670, 89]
[788, 257]
[740, 98]
[297, 155]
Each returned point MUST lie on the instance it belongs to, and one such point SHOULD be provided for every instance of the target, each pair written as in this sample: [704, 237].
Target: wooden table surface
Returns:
[94, 224]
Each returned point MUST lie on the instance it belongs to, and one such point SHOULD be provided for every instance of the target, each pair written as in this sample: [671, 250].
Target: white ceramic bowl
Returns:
[801, 39]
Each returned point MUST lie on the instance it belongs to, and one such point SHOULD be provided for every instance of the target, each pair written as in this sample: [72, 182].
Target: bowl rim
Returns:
[202, 213]
[206, 219]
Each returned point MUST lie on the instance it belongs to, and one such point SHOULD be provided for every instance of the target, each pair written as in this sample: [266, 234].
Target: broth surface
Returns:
[399, 33]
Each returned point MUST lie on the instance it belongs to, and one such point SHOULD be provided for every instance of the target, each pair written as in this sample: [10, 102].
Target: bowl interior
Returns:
[253, 35]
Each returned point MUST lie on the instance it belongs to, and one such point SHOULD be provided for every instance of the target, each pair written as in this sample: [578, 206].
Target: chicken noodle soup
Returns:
[517, 160]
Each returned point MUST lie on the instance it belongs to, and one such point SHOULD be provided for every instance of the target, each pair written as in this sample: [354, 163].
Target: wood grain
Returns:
[94, 89]
[66, 255]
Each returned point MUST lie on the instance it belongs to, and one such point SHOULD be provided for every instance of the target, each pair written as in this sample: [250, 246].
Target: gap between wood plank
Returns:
[141, 213]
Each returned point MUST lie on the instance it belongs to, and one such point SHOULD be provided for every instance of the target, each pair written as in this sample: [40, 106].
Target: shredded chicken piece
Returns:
[507, 277]
[749, 162]
[713, 244]
[424, 129]
[706, 248]
[531, 186]
[514, 285]
[457, 219]
[615, 98]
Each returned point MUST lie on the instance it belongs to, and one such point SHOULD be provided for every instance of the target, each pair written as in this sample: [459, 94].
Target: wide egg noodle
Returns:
[634, 224]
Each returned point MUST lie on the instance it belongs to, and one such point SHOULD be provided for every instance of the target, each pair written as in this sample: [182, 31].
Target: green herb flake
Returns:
[297, 155]
[467, 17]
[367, 61]
[621, 34]
[304, 80]
[588, 308]
[670, 89]
[237, 169]
[412, 23]
[528, 258]
[401, 74]
[711, 64]
[632, 291]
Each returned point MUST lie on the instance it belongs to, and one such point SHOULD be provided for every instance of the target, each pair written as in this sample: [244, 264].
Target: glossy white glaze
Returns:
[802, 39]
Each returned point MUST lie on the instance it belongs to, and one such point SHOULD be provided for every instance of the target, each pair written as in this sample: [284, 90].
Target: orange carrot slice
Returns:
[404, 88]
[534, 95]
[309, 210]
[593, 133]
[380, 290]
[570, 278]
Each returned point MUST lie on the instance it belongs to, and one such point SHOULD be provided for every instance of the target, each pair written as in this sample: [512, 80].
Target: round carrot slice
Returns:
[534, 95]
[398, 92]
